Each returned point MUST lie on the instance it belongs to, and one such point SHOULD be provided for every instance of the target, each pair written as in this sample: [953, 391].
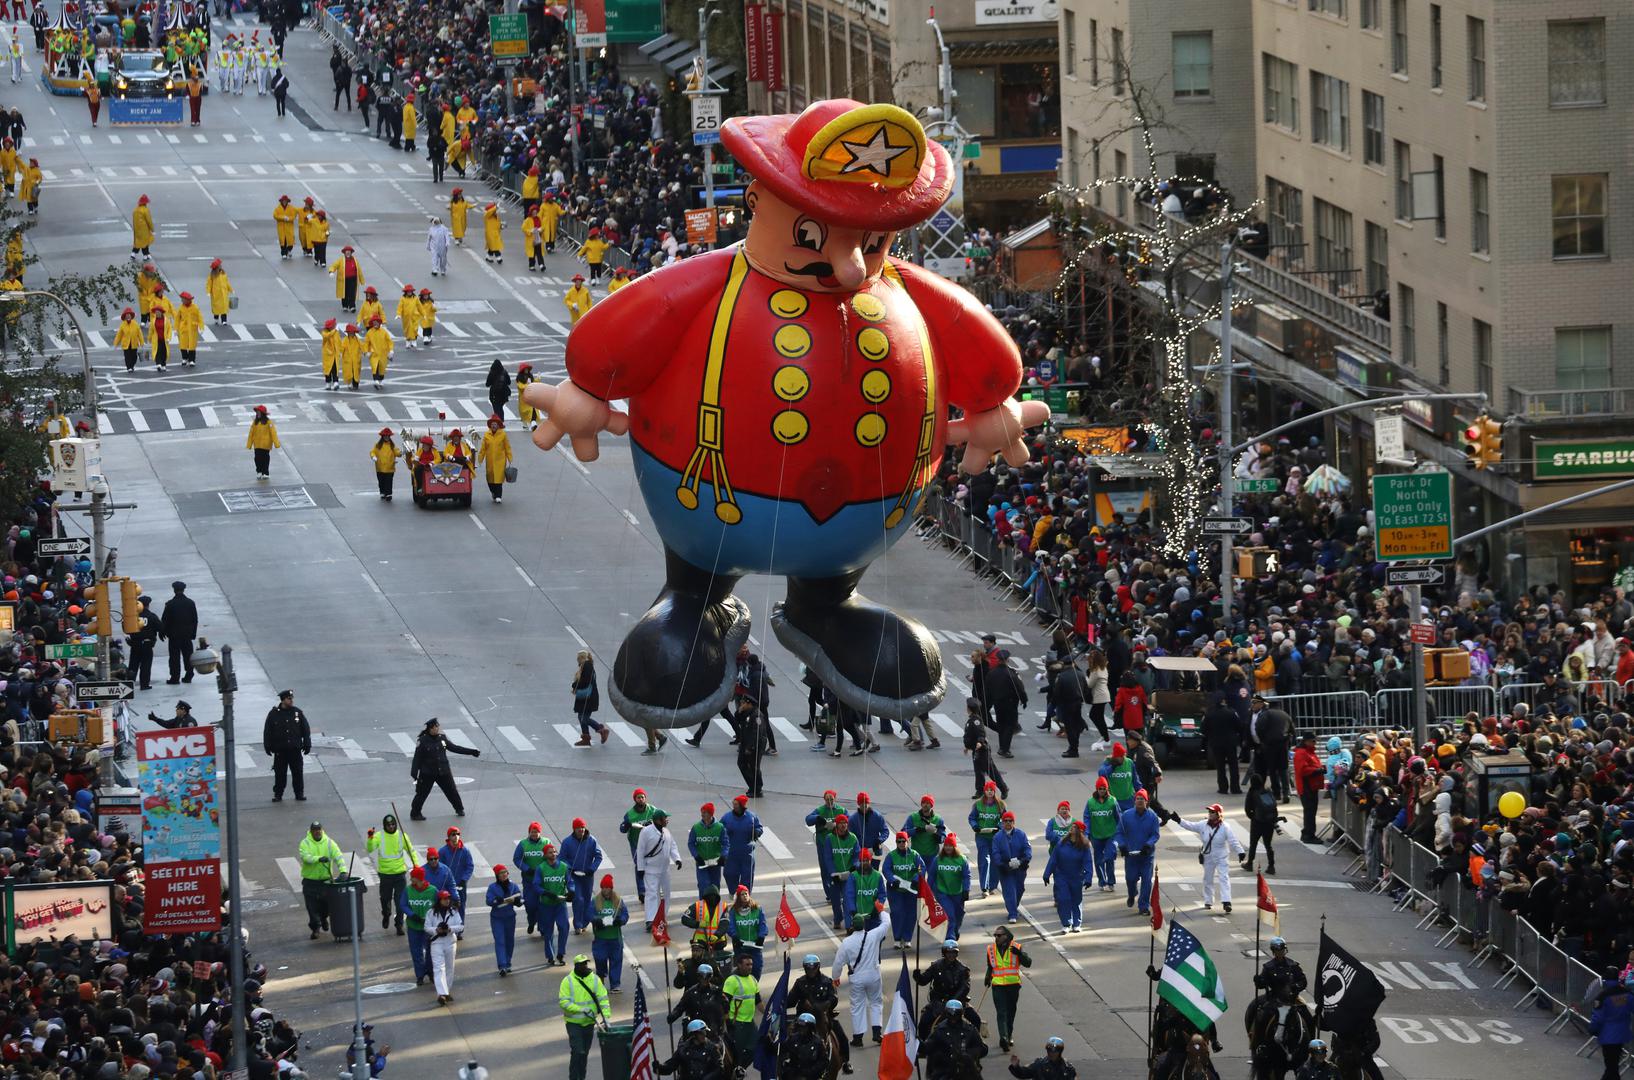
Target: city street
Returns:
[380, 615]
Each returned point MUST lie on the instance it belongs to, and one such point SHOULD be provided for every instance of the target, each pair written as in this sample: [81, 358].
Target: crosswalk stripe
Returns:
[228, 136]
[725, 728]
[458, 737]
[259, 170]
[453, 328]
[516, 738]
[488, 328]
[175, 418]
[568, 732]
[144, 140]
[311, 332]
[480, 866]
[95, 339]
[277, 332]
[345, 411]
[229, 170]
[207, 335]
[137, 170]
[138, 422]
[243, 761]
[522, 328]
[352, 750]
[377, 409]
[474, 411]
[347, 167]
[243, 332]
[209, 415]
[115, 139]
[774, 846]
[169, 170]
[290, 867]
[788, 730]
[946, 725]
[404, 741]
[1189, 839]
[627, 734]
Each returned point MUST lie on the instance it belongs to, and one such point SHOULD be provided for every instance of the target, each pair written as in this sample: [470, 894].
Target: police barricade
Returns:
[1398, 857]
[1518, 693]
[1343, 712]
[1453, 702]
[1575, 1001]
[1456, 901]
[1525, 961]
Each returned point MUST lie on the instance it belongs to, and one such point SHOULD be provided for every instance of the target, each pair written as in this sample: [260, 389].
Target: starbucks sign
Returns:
[1582, 459]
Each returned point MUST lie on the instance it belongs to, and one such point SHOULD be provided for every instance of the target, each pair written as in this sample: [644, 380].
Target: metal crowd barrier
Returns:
[1343, 712]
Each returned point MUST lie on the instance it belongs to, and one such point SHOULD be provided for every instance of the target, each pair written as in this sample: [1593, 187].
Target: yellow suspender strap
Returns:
[710, 418]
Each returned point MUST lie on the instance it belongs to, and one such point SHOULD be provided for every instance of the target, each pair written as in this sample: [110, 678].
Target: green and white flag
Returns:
[1190, 982]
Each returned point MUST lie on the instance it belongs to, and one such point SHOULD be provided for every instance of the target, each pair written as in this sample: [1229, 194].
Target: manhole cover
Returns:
[389, 988]
[258, 905]
[256, 500]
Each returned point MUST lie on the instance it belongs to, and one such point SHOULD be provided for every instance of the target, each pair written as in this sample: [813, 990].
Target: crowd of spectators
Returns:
[634, 183]
[129, 1006]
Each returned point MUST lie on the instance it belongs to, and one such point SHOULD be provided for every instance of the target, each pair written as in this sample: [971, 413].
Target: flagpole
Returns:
[1151, 959]
[1322, 932]
[667, 1005]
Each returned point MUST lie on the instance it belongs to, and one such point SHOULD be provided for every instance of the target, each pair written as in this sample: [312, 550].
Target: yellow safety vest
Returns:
[709, 925]
[1006, 969]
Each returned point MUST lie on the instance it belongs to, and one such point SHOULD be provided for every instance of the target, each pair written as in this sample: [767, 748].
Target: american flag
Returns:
[641, 1049]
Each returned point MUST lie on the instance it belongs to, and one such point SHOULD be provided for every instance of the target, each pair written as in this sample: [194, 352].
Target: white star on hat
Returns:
[875, 155]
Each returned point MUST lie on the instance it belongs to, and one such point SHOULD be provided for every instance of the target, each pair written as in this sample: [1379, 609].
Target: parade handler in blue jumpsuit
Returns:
[503, 898]
[1138, 833]
[582, 854]
[1012, 854]
[903, 870]
[743, 831]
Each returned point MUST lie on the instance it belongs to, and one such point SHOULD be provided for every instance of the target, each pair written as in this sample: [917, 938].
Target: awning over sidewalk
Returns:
[675, 55]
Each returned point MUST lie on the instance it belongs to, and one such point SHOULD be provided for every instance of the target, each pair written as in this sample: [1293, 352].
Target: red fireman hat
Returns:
[426, 293]
[186, 296]
[595, 230]
[127, 313]
[375, 320]
[323, 215]
[457, 191]
[347, 250]
[455, 434]
[533, 170]
[496, 420]
[385, 433]
[427, 440]
[491, 206]
[143, 201]
[309, 200]
[329, 324]
[261, 409]
[351, 328]
[408, 290]
[283, 198]
[868, 166]
[578, 277]
[607, 881]
[371, 291]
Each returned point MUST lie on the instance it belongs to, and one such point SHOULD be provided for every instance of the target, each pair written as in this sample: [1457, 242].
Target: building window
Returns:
[1281, 93]
[1483, 356]
[1398, 36]
[1072, 158]
[1330, 112]
[1009, 101]
[1583, 358]
[1372, 129]
[1287, 213]
[1404, 182]
[1370, 14]
[1405, 327]
[1193, 65]
[1117, 61]
[1378, 259]
[1577, 62]
[1095, 170]
[1579, 215]
[1440, 199]
[1335, 254]
[1443, 347]
[1069, 43]
[1480, 213]
[1435, 45]
[1120, 163]
[1475, 45]
[1336, 8]
[1195, 167]
[1094, 52]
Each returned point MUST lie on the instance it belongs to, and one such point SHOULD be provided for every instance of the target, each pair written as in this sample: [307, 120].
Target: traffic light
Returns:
[130, 610]
[1484, 442]
[97, 597]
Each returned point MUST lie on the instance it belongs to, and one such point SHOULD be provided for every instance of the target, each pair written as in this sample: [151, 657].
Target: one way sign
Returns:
[1228, 525]
[106, 691]
[1395, 576]
[73, 547]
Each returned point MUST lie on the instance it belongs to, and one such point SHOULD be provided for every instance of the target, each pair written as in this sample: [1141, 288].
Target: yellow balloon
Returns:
[1512, 804]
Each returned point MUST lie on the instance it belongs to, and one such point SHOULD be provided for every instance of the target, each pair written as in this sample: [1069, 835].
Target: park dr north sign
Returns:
[1582, 459]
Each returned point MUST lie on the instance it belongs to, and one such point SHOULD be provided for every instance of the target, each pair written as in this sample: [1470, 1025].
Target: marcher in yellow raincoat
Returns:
[378, 342]
[411, 122]
[161, 302]
[329, 353]
[530, 240]
[351, 356]
[620, 278]
[466, 116]
[495, 455]
[428, 316]
[530, 186]
[447, 125]
[317, 231]
[549, 213]
[283, 221]
[348, 273]
[524, 376]
[459, 153]
[371, 309]
[128, 338]
[493, 233]
[148, 282]
[457, 209]
[578, 299]
[408, 314]
[9, 165]
[159, 330]
[457, 449]
[303, 223]
[384, 453]
[28, 187]
[594, 252]
[189, 321]
[141, 229]
[220, 290]
[262, 437]
[14, 253]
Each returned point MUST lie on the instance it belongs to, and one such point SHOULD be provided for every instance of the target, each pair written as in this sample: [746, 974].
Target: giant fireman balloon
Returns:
[788, 403]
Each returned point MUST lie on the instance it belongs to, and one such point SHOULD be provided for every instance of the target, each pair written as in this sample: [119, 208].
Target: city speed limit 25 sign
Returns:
[1412, 515]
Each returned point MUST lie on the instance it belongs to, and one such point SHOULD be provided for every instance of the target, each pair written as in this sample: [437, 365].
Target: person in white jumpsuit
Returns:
[655, 856]
[1220, 845]
[443, 927]
[859, 957]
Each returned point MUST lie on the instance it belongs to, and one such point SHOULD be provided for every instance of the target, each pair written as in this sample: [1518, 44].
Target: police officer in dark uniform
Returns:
[286, 737]
[815, 993]
[702, 1000]
[697, 1058]
[1281, 977]
[1052, 1066]
[430, 767]
[802, 1055]
[183, 717]
[686, 969]
[955, 1048]
[1317, 1066]
[948, 979]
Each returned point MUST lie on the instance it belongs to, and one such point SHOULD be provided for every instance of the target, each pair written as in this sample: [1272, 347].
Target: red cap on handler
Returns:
[868, 166]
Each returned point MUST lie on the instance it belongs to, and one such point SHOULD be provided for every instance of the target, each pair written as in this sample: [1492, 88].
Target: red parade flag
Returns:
[1267, 905]
[660, 926]
[1157, 906]
[787, 926]
[934, 915]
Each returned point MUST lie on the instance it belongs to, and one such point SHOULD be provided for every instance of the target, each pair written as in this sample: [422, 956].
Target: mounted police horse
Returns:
[1171, 1045]
[1279, 1030]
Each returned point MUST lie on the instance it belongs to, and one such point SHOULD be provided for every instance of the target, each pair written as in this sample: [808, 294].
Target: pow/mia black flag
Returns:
[1347, 993]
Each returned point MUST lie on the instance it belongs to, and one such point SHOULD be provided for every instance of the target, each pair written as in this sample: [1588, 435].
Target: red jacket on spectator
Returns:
[1309, 772]
[1130, 707]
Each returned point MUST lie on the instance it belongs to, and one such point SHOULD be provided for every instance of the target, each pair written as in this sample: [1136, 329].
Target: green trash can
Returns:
[615, 1050]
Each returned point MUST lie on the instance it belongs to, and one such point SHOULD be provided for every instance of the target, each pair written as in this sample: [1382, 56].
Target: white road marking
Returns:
[942, 721]
[404, 741]
[627, 734]
[259, 170]
[115, 139]
[347, 167]
[369, 581]
[516, 738]
[526, 578]
[277, 332]
[377, 409]
[453, 328]
[477, 522]
[569, 733]
[574, 634]
[243, 332]
[244, 762]
[352, 750]
[175, 418]
[725, 727]
[774, 846]
[556, 326]
[210, 418]
[138, 422]
[788, 730]
[208, 335]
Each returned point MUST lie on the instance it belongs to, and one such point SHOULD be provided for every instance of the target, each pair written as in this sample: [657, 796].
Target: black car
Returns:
[144, 74]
